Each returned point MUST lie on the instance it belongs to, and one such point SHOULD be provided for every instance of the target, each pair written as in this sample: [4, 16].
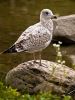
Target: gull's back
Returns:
[36, 37]
[33, 39]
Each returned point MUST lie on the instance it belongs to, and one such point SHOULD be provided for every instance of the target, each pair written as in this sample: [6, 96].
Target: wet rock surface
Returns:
[65, 30]
[32, 78]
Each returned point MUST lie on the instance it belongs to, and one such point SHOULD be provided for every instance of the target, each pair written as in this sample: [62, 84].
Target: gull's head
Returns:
[47, 14]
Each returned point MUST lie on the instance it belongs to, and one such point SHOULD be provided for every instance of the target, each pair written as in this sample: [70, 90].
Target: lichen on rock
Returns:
[32, 78]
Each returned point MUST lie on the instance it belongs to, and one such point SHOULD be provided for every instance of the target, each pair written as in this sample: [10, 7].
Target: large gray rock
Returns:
[32, 78]
[65, 30]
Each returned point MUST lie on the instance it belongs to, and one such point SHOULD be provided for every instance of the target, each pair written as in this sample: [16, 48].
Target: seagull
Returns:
[36, 37]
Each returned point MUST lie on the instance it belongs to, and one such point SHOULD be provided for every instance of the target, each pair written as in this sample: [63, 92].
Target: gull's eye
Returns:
[46, 13]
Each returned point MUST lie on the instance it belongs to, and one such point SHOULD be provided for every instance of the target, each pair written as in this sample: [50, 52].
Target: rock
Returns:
[65, 30]
[32, 78]
[72, 59]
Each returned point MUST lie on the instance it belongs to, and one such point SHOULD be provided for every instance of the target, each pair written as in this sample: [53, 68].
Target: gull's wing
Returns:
[25, 33]
[12, 48]
[33, 39]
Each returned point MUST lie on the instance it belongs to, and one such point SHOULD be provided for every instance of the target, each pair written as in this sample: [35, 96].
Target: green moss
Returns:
[7, 93]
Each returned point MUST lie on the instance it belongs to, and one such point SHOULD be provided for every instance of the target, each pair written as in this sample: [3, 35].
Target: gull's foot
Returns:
[34, 61]
[44, 65]
[40, 64]
[37, 63]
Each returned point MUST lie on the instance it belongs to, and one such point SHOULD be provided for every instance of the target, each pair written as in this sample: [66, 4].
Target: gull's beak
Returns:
[54, 17]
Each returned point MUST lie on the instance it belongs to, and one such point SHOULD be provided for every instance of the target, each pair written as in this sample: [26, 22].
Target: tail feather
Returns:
[12, 49]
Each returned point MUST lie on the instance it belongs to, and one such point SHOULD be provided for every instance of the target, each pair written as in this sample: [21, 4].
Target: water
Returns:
[16, 16]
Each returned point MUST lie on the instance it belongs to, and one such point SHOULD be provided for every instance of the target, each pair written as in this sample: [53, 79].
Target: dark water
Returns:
[16, 16]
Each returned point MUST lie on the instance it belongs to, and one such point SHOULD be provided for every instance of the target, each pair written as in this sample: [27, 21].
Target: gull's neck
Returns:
[47, 24]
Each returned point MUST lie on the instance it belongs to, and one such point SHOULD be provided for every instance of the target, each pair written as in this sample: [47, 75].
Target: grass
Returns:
[7, 93]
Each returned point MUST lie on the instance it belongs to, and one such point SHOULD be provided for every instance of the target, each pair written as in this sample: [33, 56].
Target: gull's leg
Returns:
[40, 58]
[34, 57]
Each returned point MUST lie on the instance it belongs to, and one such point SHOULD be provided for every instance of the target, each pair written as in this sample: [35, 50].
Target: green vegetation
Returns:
[58, 53]
[7, 93]
[13, 20]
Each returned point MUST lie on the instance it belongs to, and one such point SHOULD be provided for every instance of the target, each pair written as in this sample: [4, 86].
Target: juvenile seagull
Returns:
[36, 37]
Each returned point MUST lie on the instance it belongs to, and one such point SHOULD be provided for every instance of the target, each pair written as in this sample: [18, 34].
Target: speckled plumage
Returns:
[36, 37]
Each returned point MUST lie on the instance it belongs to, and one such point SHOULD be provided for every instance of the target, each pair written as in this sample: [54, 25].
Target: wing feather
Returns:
[34, 38]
